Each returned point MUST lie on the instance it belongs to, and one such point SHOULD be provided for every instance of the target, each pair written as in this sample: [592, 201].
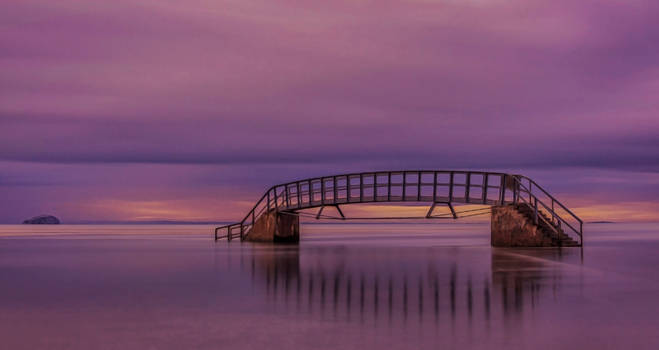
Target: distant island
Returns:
[601, 222]
[42, 220]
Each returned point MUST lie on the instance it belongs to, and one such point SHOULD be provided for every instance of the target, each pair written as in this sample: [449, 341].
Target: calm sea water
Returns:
[344, 287]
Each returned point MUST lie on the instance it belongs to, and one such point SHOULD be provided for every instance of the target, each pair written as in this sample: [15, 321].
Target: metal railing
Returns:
[432, 186]
[548, 209]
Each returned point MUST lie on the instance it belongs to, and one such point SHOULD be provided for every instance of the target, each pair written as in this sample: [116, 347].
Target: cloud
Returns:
[305, 89]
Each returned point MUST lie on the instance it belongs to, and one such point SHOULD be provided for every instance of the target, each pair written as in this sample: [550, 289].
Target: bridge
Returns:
[523, 214]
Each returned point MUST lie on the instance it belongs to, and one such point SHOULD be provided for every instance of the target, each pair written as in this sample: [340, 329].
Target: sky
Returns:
[188, 110]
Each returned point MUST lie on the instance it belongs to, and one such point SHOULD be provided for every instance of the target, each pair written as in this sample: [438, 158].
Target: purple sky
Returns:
[189, 110]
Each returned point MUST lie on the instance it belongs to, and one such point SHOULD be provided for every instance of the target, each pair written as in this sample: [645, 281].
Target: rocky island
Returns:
[42, 220]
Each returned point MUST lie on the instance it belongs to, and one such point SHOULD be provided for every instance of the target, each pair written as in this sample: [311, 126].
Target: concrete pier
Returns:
[513, 225]
[275, 227]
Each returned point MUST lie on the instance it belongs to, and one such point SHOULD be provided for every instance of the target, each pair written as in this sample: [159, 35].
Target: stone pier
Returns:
[277, 227]
[513, 225]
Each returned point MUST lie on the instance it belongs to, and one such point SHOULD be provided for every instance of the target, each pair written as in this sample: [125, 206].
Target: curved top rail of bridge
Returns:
[431, 186]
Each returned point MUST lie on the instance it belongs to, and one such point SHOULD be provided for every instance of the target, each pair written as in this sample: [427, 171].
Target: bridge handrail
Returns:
[389, 172]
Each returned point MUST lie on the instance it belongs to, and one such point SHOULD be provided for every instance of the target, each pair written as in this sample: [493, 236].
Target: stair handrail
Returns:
[520, 185]
[556, 201]
[537, 216]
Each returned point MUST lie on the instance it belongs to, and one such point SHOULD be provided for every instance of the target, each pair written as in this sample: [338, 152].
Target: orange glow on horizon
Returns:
[215, 210]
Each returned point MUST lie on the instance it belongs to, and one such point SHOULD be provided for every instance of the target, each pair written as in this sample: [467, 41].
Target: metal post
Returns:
[450, 206]
[361, 188]
[503, 189]
[320, 212]
[276, 204]
[299, 196]
[404, 184]
[310, 192]
[389, 188]
[418, 189]
[516, 192]
[340, 212]
[288, 198]
[450, 187]
[553, 215]
[467, 185]
[322, 190]
[375, 187]
[535, 210]
[336, 190]
[432, 207]
[268, 200]
[434, 187]
[485, 188]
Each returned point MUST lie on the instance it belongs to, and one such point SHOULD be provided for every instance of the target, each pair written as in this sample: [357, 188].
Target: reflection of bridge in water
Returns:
[363, 286]
[523, 214]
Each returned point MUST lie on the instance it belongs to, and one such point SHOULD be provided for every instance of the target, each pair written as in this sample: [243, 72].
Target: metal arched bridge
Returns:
[435, 187]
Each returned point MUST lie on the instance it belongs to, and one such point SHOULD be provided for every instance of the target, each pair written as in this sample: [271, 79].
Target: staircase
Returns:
[550, 228]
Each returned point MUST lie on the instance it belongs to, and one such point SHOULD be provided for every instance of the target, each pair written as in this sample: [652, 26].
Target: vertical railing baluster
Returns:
[288, 197]
[467, 186]
[322, 190]
[299, 196]
[450, 187]
[553, 215]
[535, 210]
[311, 192]
[404, 184]
[418, 189]
[434, 187]
[361, 188]
[389, 187]
[502, 189]
[485, 179]
[276, 201]
[375, 187]
[336, 190]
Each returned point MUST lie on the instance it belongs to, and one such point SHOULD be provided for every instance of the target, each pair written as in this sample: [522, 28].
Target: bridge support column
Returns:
[432, 208]
[512, 227]
[276, 227]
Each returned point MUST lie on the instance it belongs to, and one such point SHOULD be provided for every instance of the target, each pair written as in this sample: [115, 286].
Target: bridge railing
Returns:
[394, 186]
[435, 186]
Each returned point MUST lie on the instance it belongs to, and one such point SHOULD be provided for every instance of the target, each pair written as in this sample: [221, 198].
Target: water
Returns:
[344, 286]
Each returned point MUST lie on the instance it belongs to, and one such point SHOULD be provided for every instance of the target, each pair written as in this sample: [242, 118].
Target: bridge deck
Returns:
[386, 199]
